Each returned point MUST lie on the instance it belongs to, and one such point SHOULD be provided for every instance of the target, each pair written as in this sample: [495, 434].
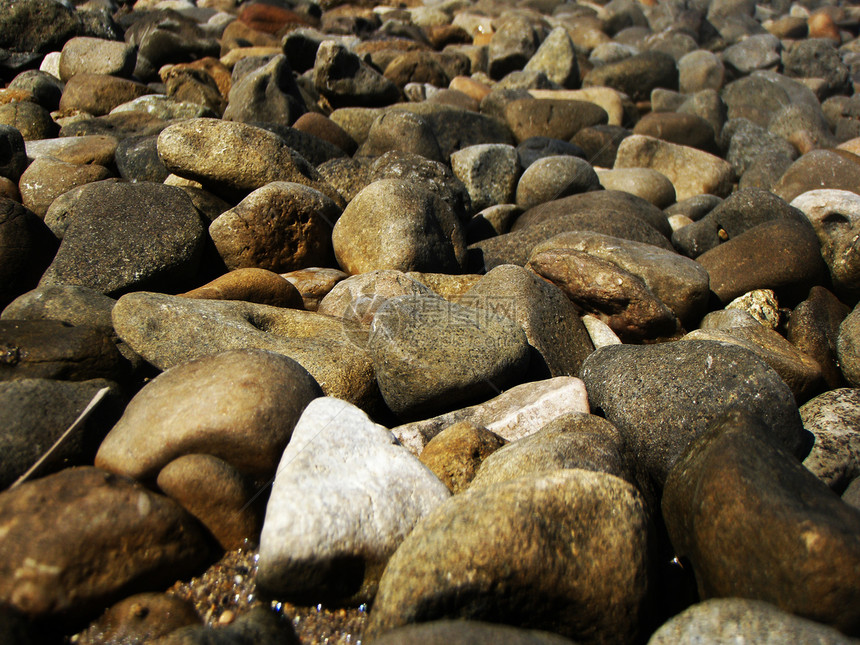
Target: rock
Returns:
[119, 125]
[268, 94]
[600, 287]
[35, 412]
[800, 372]
[455, 454]
[46, 179]
[489, 173]
[724, 619]
[681, 284]
[656, 396]
[817, 58]
[736, 466]
[216, 494]
[550, 321]
[617, 105]
[346, 80]
[51, 349]
[31, 120]
[700, 70]
[168, 330]
[473, 632]
[832, 419]
[127, 236]
[358, 494]
[13, 153]
[36, 25]
[761, 305]
[260, 626]
[677, 127]
[359, 297]
[462, 556]
[96, 56]
[314, 284]
[516, 413]
[847, 345]
[251, 285]
[137, 159]
[819, 169]
[27, 247]
[234, 156]
[571, 441]
[67, 303]
[554, 177]
[835, 216]
[98, 94]
[81, 538]
[188, 84]
[600, 143]
[163, 107]
[324, 128]
[240, 406]
[759, 51]
[781, 254]
[691, 171]
[748, 145]
[535, 148]
[403, 131]
[423, 233]
[45, 88]
[473, 352]
[513, 42]
[417, 67]
[648, 184]
[281, 227]
[804, 126]
[738, 213]
[636, 76]
[143, 616]
[555, 118]
[813, 328]
[556, 57]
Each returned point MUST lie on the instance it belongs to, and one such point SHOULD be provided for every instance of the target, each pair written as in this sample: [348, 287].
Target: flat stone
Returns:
[98, 94]
[604, 289]
[216, 494]
[516, 413]
[359, 297]
[736, 466]
[81, 538]
[251, 285]
[646, 183]
[70, 304]
[723, 619]
[356, 493]
[126, 236]
[282, 226]
[657, 397]
[554, 177]
[461, 555]
[46, 179]
[691, 171]
[617, 105]
[782, 255]
[835, 425]
[164, 107]
[455, 454]
[473, 353]
[550, 321]
[240, 406]
[423, 233]
[314, 284]
[168, 330]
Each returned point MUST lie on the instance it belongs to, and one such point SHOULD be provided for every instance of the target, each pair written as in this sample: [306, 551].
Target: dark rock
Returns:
[346, 80]
[13, 154]
[736, 466]
[554, 118]
[137, 160]
[69, 304]
[534, 148]
[552, 178]
[27, 247]
[656, 396]
[36, 25]
[186, 84]
[820, 169]
[260, 626]
[123, 237]
[600, 143]
[467, 632]
[489, 172]
[817, 58]
[142, 617]
[513, 43]
[746, 143]
[683, 129]
[848, 347]
[30, 119]
[401, 131]
[814, 327]
[636, 76]
[324, 128]
[268, 94]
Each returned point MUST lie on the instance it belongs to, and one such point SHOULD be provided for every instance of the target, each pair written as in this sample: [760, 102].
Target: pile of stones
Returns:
[518, 322]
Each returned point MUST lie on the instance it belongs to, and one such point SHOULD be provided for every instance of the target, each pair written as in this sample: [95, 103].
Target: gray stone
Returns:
[268, 94]
[835, 215]
[817, 58]
[489, 172]
[550, 321]
[127, 236]
[747, 143]
[431, 354]
[724, 620]
[516, 413]
[346, 80]
[636, 76]
[816, 170]
[834, 422]
[345, 496]
[69, 304]
[583, 575]
[47, 178]
[81, 538]
[804, 126]
[96, 56]
[759, 51]
[282, 226]
[737, 466]
[556, 57]
[554, 177]
[137, 160]
[646, 183]
[571, 441]
[164, 107]
[422, 232]
[168, 330]
[403, 131]
[657, 397]
[700, 70]
[512, 44]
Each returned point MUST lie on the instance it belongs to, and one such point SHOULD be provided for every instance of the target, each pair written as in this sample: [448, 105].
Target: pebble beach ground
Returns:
[429, 321]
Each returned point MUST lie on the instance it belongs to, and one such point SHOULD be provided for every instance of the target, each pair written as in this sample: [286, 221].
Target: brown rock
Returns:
[820, 169]
[269, 19]
[81, 538]
[321, 126]
[46, 179]
[216, 494]
[88, 149]
[314, 283]
[556, 118]
[194, 86]
[250, 285]
[756, 524]
[456, 453]
[469, 87]
[814, 327]
[677, 127]
[98, 94]
[139, 618]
